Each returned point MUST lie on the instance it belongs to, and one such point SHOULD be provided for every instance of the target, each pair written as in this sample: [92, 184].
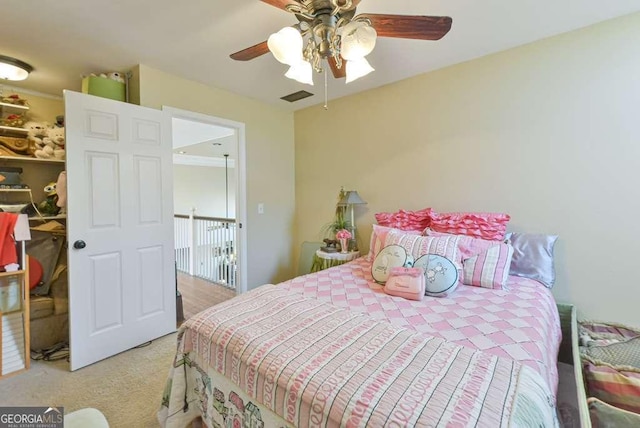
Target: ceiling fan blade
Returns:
[338, 73]
[409, 27]
[250, 53]
[281, 4]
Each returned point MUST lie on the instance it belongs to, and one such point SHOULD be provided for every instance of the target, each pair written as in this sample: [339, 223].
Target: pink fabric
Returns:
[319, 365]
[378, 236]
[468, 246]
[521, 324]
[491, 226]
[408, 283]
[406, 220]
[417, 245]
[488, 269]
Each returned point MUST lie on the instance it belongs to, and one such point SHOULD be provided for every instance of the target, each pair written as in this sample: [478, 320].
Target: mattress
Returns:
[520, 323]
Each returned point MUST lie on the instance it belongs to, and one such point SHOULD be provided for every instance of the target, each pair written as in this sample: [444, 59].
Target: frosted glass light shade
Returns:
[358, 40]
[286, 45]
[357, 69]
[301, 72]
[13, 69]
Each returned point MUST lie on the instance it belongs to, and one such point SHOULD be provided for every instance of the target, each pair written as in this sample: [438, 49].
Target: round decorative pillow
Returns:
[441, 275]
[389, 257]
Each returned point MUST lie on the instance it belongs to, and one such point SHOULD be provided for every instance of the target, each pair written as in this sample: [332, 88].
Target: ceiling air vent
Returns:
[297, 96]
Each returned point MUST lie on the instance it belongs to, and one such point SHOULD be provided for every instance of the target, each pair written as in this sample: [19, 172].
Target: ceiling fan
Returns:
[334, 32]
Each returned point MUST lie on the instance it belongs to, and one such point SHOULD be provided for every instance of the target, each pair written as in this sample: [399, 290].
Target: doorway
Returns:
[209, 206]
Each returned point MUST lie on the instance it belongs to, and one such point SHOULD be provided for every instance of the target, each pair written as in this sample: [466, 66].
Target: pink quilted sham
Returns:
[521, 324]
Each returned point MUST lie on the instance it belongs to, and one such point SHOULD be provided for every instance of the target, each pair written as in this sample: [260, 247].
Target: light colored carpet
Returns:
[127, 388]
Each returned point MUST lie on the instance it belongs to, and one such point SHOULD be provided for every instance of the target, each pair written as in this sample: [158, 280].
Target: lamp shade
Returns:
[357, 41]
[286, 45]
[351, 197]
[301, 72]
[357, 69]
[13, 69]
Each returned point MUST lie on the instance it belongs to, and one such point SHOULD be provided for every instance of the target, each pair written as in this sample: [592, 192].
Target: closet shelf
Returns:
[30, 159]
[15, 190]
[15, 272]
[49, 217]
[10, 130]
[8, 107]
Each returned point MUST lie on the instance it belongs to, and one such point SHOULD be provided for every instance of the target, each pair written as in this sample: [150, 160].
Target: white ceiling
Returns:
[193, 39]
[203, 144]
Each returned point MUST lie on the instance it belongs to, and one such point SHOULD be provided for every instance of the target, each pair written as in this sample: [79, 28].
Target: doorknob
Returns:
[79, 245]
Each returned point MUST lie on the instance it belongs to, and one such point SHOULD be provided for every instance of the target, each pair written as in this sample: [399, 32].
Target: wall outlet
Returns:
[260, 208]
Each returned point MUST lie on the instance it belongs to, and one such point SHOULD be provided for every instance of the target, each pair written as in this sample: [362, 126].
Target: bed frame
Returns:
[570, 354]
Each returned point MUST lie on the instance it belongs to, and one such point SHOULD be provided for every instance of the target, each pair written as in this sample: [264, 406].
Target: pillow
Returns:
[406, 220]
[467, 245]
[417, 245]
[489, 269]
[533, 257]
[389, 257]
[378, 235]
[441, 275]
[490, 226]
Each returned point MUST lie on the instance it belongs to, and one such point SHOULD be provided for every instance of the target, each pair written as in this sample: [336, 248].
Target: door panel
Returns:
[120, 202]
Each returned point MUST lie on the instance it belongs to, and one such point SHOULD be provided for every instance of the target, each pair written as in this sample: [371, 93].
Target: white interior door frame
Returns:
[240, 176]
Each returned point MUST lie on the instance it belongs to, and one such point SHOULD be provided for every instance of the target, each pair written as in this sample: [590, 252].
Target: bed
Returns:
[331, 349]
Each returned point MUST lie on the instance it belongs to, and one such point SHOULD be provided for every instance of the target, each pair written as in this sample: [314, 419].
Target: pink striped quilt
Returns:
[520, 323]
[315, 364]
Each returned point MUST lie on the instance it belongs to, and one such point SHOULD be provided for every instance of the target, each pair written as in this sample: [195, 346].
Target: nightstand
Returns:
[322, 260]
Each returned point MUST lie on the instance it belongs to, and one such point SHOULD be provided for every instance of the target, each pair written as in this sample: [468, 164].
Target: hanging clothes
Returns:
[8, 253]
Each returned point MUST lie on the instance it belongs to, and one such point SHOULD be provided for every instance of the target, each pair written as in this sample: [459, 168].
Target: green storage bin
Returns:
[104, 87]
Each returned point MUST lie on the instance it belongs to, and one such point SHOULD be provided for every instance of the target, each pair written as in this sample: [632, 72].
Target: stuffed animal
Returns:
[36, 131]
[48, 206]
[118, 77]
[55, 139]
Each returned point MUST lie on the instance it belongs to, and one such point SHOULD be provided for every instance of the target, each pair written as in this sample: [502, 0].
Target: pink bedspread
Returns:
[520, 323]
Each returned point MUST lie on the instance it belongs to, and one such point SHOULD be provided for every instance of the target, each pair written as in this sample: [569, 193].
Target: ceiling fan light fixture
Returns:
[358, 40]
[301, 72]
[13, 69]
[286, 45]
[357, 68]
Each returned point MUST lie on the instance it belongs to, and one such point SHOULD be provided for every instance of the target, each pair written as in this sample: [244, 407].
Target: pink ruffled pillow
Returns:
[379, 235]
[406, 220]
[468, 246]
[490, 226]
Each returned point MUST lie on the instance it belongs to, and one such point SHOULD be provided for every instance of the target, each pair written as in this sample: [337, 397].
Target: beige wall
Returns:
[270, 164]
[547, 132]
[203, 188]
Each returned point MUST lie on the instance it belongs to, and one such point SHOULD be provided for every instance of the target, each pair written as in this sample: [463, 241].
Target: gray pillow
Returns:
[533, 256]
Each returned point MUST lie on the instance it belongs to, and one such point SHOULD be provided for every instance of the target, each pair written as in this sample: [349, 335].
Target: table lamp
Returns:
[348, 200]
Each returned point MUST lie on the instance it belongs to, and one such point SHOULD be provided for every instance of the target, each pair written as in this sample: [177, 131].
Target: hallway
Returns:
[198, 294]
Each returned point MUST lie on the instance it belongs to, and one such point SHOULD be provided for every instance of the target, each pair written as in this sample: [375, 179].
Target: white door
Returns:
[120, 227]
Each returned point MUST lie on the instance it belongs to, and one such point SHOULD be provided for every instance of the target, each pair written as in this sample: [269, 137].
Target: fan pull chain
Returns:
[326, 90]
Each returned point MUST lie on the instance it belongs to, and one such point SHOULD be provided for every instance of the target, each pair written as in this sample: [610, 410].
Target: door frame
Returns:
[240, 175]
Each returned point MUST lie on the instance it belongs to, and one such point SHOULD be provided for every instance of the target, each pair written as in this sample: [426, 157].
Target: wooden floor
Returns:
[198, 294]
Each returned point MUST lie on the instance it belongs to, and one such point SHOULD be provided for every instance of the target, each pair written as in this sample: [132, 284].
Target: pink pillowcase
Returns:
[378, 236]
[417, 246]
[490, 226]
[406, 220]
[468, 246]
[488, 269]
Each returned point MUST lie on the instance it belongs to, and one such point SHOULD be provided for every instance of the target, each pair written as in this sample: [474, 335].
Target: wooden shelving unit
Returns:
[14, 319]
